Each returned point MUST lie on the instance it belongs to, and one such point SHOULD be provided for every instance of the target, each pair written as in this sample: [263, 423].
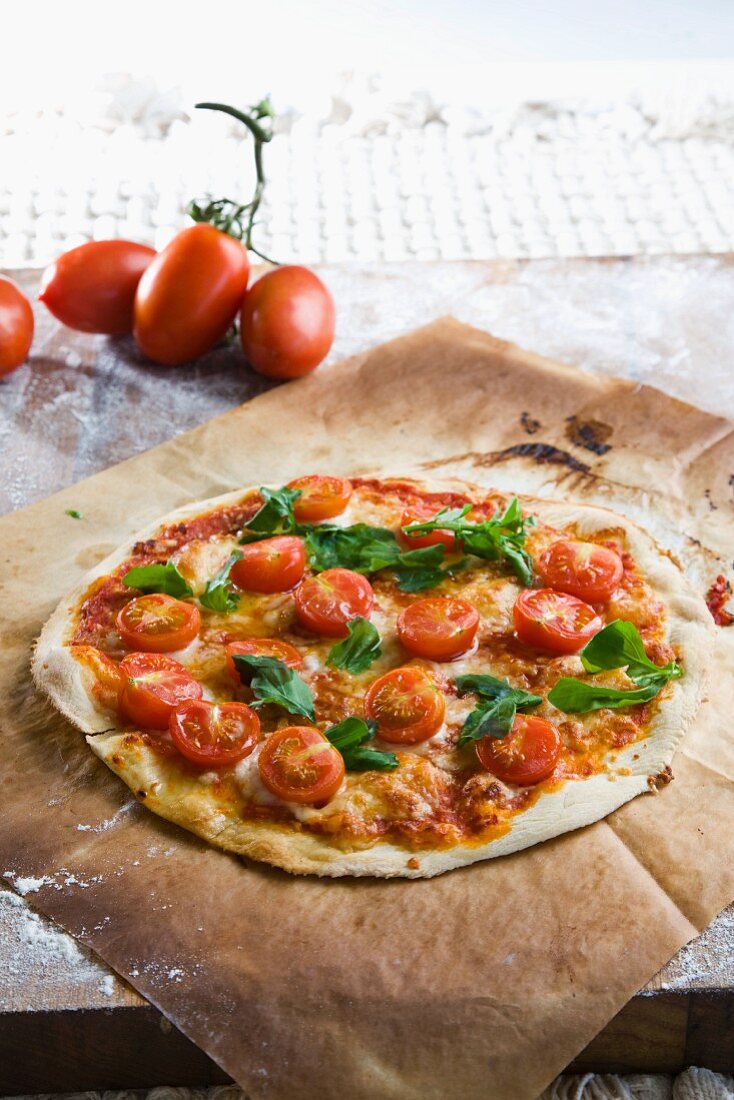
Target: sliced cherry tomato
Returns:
[321, 497]
[154, 687]
[107, 679]
[272, 565]
[92, 288]
[287, 322]
[439, 628]
[325, 603]
[188, 297]
[298, 764]
[419, 513]
[554, 621]
[214, 734]
[158, 624]
[406, 704]
[261, 647]
[16, 326]
[528, 754]
[582, 569]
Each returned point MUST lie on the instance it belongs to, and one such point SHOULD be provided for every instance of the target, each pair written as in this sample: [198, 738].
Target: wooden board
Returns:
[64, 417]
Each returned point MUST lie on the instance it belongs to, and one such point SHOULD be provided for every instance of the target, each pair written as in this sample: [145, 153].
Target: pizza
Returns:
[382, 676]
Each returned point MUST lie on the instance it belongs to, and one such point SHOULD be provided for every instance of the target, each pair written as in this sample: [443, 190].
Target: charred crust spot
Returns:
[543, 454]
[529, 423]
[592, 435]
[413, 863]
[142, 795]
[657, 782]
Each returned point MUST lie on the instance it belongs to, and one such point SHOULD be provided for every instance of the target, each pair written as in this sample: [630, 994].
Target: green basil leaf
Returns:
[349, 738]
[158, 578]
[73, 513]
[358, 650]
[218, 594]
[499, 538]
[275, 517]
[577, 696]
[366, 549]
[273, 682]
[619, 645]
[498, 704]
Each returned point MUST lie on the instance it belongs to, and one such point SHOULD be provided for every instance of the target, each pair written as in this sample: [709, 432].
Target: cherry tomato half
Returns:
[528, 754]
[419, 513]
[554, 621]
[92, 288]
[287, 322]
[325, 603]
[321, 497]
[157, 623]
[582, 569]
[154, 687]
[261, 647]
[214, 734]
[272, 565]
[298, 764]
[188, 297]
[439, 628]
[16, 326]
[406, 704]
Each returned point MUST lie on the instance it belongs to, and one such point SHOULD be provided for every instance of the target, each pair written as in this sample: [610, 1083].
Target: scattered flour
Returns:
[107, 985]
[35, 950]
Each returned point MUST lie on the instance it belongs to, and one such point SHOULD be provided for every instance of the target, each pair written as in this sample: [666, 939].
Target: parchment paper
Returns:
[484, 982]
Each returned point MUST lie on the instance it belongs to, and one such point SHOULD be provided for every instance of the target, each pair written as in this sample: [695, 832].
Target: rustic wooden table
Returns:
[83, 403]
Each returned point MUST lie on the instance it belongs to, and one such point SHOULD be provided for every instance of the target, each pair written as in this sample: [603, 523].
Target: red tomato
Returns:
[158, 623]
[16, 326]
[92, 287]
[554, 621]
[188, 297]
[325, 603]
[321, 497]
[406, 704]
[272, 565]
[582, 569]
[154, 687]
[419, 513]
[439, 628]
[528, 754]
[287, 322]
[261, 647]
[214, 734]
[298, 764]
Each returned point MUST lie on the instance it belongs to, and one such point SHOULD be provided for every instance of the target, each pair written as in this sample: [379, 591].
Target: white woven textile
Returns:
[692, 1084]
[375, 179]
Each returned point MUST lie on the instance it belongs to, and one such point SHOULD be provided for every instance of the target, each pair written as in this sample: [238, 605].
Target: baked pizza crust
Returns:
[183, 799]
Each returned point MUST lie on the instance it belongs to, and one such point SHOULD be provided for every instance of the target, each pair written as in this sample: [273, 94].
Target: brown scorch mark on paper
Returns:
[542, 453]
[529, 423]
[592, 435]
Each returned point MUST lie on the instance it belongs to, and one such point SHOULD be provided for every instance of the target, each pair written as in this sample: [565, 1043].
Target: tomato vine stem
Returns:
[227, 215]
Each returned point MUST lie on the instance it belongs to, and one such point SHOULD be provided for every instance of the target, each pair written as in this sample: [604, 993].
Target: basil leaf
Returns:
[358, 650]
[576, 696]
[158, 578]
[366, 549]
[619, 645]
[498, 704]
[218, 594]
[73, 513]
[500, 538]
[349, 738]
[275, 517]
[273, 682]
[359, 547]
